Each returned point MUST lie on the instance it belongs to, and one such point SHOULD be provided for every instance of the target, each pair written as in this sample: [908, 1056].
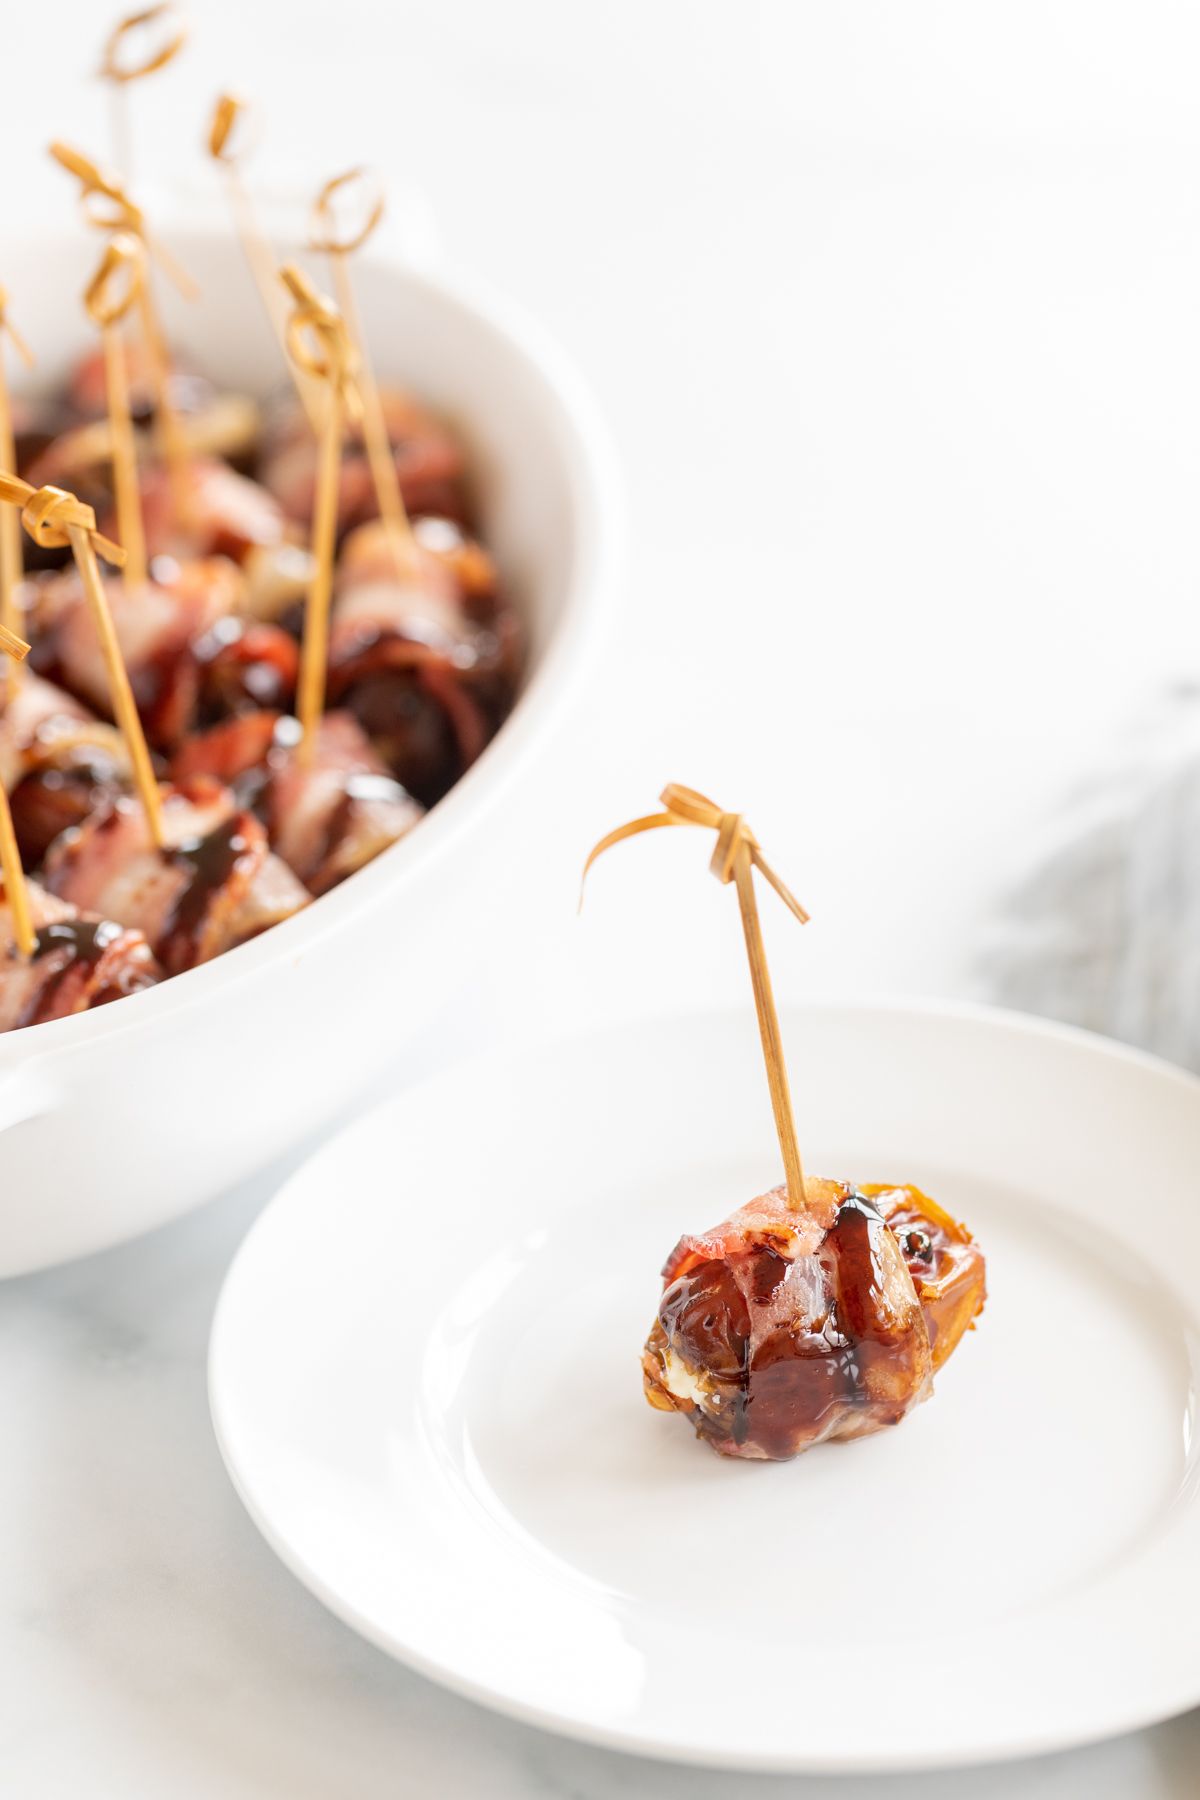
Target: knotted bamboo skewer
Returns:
[11, 562]
[318, 341]
[55, 518]
[16, 646]
[118, 67]
[325, 237]
[735, 858]
[107, 205]
[229, 114]
[15, 890]
[111, 293]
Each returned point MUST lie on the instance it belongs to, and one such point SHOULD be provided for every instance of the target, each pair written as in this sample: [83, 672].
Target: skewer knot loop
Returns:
[229, 109]
[732, 833]
[107, 205]
[117, 282]
[323, 229]
[114, 66]
[684, 806]
[49, 513]
[317, 339]
[102, 195]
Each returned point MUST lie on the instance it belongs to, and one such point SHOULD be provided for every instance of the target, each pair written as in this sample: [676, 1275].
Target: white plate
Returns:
[424, 1377]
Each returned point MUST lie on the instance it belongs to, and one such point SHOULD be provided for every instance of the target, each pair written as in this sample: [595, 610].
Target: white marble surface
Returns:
[892, 311]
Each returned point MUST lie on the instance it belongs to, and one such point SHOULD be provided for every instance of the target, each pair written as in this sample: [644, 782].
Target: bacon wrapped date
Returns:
[55, 446]
[81, 962]
[326, 817]
[779, 1329]
[244, 665]
[429, 463]
[58, 762]
[215, 885]
[192, 658]
[228, 514]
[87, 387]
[428, 663]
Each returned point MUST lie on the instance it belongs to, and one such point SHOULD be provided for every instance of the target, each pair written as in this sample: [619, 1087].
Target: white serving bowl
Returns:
[115, 1121]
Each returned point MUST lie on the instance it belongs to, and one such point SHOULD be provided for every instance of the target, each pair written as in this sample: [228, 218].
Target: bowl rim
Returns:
[597, 500]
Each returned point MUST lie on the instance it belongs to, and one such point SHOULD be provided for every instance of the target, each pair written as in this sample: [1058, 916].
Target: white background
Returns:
[894, 313]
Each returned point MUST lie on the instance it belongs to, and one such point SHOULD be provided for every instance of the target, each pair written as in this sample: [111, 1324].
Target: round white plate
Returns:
[425, 1382]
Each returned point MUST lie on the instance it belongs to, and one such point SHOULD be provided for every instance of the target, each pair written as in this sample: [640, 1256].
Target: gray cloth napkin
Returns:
[1103, 929]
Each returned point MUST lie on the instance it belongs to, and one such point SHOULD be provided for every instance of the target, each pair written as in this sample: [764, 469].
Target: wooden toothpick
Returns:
[120, 692]
[339, 246]
[229, 114]
[107, 205]
[16, 646]
[11, 563]
[317, 340]
[735, 859]
[228, 121]
[54, 518]
[110, 294]
[15, 890]
[119, 67]
[172, 438]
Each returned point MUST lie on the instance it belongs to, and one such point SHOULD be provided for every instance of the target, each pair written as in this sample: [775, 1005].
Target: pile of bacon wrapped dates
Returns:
[422, 669]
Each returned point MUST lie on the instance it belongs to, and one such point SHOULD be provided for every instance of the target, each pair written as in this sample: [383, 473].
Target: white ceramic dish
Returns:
[115, 1121]
[424, 1378]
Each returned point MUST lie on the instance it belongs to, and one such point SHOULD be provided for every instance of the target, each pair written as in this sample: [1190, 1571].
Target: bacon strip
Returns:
[228, 514]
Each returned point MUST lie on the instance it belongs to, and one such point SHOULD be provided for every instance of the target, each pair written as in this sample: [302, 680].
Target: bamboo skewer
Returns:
[11, 563]
[768, 1026]
[15, 890]
[228, 110]
[47, 511]
[107, 304]
[172, 438]
[318, 341]
[324, 237]
[54, 518]
[735, 859]
[107, 205]
[119, 70]
[120, 691]
[16, 646]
